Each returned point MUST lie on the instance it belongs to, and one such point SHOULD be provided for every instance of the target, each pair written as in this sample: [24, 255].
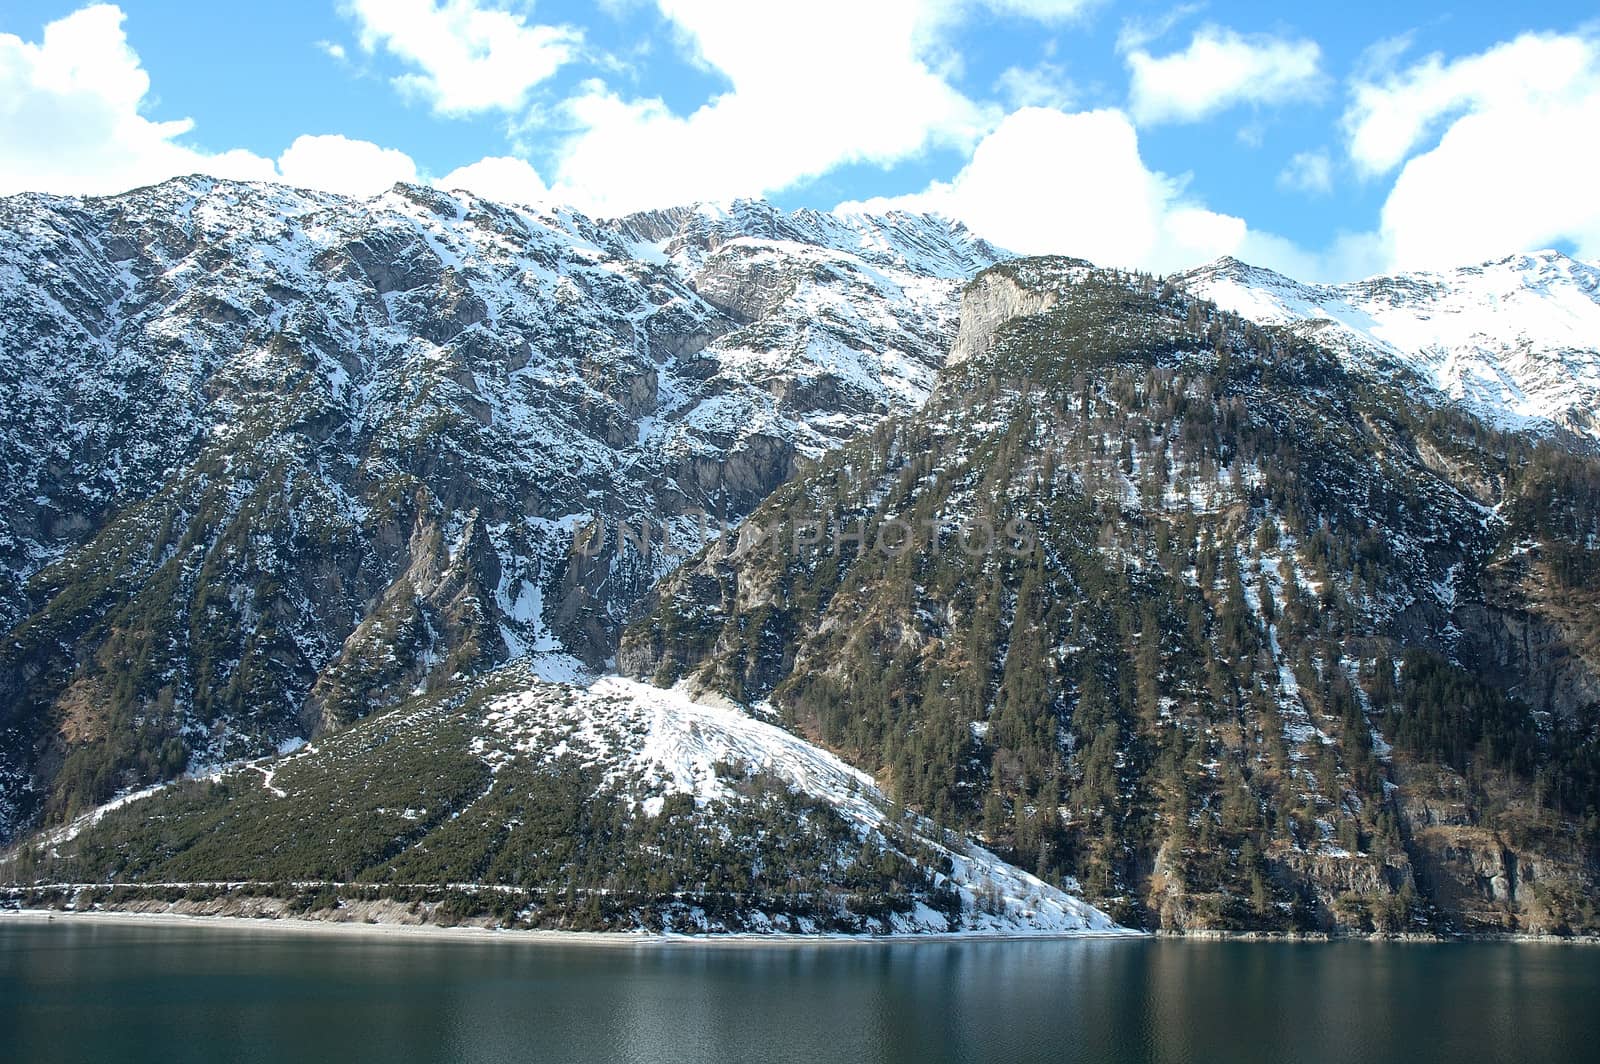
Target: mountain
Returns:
[1190, 612]
[1514, 340]
[272, 459]
[511, 801]
[973, 584]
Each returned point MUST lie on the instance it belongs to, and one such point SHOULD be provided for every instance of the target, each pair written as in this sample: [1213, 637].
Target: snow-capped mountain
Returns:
[1183, 608]
[293, 455]
[1516, 340]
[394, 476]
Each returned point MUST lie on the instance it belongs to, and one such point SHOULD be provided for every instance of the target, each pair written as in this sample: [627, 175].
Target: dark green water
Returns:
[75, 992]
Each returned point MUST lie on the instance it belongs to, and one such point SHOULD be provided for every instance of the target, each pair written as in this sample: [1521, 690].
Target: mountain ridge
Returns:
[297, 454]
[277, 462]
[1288, 647]
[1512, 338]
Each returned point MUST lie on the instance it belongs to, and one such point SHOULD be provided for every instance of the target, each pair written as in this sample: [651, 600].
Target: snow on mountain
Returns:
[134, 323]
[300, 455]
[480, 777]
[1240, 564]
[1516, 340]
[663, 742]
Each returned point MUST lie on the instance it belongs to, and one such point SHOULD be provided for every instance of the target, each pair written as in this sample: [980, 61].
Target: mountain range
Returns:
[1512, 340]
[274, 459]
[1289, 625]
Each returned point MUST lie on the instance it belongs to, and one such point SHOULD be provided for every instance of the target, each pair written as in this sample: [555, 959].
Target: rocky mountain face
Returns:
[1516, 341]
[1224, 601]
[1197, 614]
[272, 459]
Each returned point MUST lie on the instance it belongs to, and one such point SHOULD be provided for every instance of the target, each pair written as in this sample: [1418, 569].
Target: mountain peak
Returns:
[1227, 266]
[1512, 339]
[580, 375]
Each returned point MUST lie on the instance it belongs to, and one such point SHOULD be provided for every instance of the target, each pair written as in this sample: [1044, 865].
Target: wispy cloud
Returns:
[1042, 85]
[1310, 172]
[1221, 69]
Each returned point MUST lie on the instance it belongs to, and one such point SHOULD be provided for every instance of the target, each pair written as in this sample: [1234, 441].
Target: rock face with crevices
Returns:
[272, 459]
[1279, 643]
[1269, 626]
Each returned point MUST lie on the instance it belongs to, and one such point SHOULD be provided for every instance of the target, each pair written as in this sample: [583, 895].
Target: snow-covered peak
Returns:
[1516, 339]
[925, 244]
[469, 400]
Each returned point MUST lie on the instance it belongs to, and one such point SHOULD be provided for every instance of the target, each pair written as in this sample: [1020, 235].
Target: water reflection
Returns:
[76, 992]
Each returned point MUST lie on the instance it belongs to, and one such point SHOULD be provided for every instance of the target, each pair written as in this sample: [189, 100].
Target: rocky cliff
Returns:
[1191, 612]
[273, 459]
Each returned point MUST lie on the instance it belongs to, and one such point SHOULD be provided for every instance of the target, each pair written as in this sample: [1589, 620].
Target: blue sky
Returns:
[1330, 141]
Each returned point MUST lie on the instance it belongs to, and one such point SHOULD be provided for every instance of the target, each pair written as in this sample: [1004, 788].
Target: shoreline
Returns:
[474, 933]
[1408, 938]
[653, 940]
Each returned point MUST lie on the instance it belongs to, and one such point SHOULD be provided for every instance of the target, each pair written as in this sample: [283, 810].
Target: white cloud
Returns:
[70, 121]
[1500, 181]
[1491, 153]
[1308, 171]
[1514, 168]
[336, 163]
[836, 83]
[500, 178]
[1048, 182]
[1044, 85]
[1043, 10]
[1391, 113]
[469, 57]
[1221, 69]
[847, 82]
[1138, 31]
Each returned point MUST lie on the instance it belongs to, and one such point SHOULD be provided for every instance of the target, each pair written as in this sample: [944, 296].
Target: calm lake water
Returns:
[77, 992]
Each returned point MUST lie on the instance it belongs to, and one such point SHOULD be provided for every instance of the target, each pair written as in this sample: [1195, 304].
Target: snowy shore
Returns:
[474, 933]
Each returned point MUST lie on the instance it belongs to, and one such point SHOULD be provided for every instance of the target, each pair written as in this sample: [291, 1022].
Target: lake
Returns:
[87, 992]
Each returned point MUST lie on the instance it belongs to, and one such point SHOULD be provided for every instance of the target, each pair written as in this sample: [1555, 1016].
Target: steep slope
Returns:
[1235, 626]
[1182, 609]
[1516, 341]
[524, 803]
[271, 459]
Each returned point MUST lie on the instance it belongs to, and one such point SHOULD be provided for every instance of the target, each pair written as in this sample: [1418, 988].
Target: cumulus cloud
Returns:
[788, 116]
[1490, 153]
[1391, 112]
[1050, 182]
[70, 121]
[1222, 69]
[500, 178]
[1513, 167]
[469, 58]
[335, 163]
[1500, 181]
